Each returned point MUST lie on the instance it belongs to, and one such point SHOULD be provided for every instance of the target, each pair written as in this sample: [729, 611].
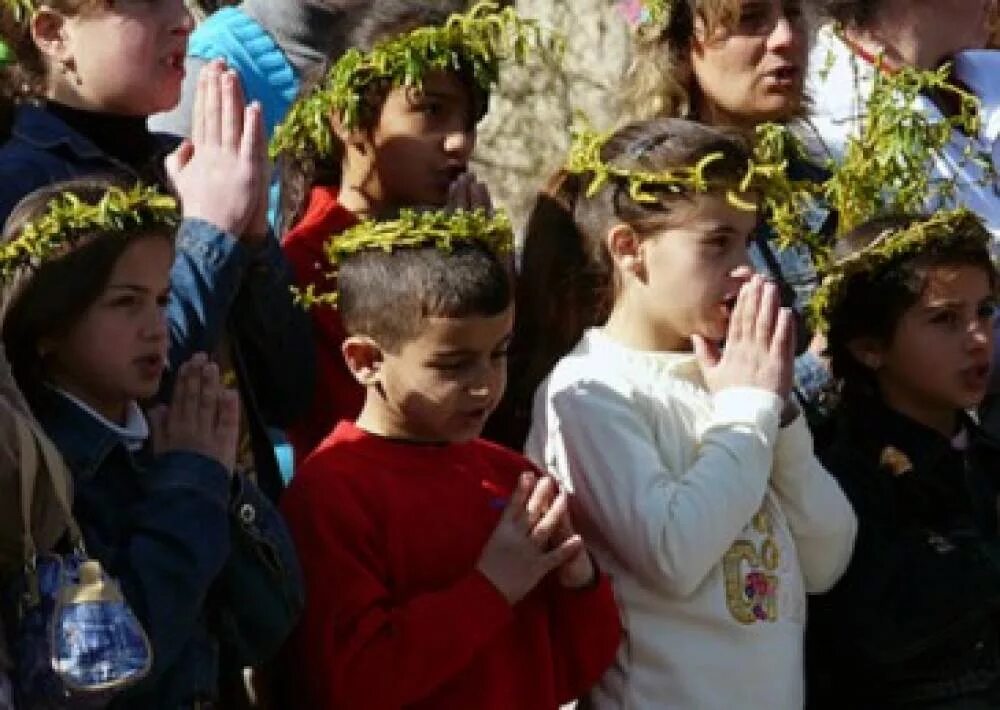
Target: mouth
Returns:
[151, 366]
[175, 61]
[976, 377]
[784, 76]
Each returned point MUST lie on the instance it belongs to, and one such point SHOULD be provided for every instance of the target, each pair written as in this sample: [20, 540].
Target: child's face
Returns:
[443, 384]
[423, 141]
[127, 56]
[938, 360]
[692, 273]
[754, 71]
[117, 351]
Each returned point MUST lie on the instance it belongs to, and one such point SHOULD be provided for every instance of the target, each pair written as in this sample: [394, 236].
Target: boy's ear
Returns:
[624, 247]
[868, 351]
[356, 138]
[364, 359]
[48, 32]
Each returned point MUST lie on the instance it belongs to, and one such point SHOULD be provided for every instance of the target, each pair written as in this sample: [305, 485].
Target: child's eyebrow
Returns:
[134, 288]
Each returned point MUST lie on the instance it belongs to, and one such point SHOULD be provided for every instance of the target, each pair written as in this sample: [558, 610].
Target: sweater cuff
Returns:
[748, 405]
[794, 444]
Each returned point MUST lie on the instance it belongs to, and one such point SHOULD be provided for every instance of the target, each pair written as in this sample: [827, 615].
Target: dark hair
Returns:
[386, 295]
[852, 12]
[874, 302]
[379, 21]
[47, 299]
[566, 282]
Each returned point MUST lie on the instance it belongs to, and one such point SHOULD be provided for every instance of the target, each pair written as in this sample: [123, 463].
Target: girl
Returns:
[692, 472]
[393, 142]
[914, 621]
[738, 63]
[202, 556]
[86, 77]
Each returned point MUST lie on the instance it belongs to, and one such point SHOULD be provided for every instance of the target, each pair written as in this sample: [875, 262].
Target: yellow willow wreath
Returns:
[441, 229]
[69, 218]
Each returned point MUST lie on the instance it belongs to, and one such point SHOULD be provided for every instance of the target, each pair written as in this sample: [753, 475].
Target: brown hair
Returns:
[386, 295]
[25, 78]
[381, 21]
[48, 298]
[874, 302]
[852, 12]
[567, 279]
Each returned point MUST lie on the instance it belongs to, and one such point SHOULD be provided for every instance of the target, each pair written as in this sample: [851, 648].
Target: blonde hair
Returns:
[659, 81]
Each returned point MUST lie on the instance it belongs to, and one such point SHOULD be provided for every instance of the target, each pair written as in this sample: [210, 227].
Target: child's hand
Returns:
[468, 193]
[515, 557]
[760, 345]
[578, 571]
[202, 417]
[221, 173]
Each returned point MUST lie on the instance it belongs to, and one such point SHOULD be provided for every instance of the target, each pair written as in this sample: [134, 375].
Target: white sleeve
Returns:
[819, 515]
[670, 527]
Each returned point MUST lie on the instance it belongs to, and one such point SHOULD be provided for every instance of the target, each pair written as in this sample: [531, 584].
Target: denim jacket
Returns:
[204, 559]
[218, 285]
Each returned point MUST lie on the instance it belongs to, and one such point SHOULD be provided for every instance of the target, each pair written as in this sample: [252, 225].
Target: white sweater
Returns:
[711, 521]
[839, 84]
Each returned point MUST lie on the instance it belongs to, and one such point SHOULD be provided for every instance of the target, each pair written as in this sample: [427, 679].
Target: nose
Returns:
[784, 34]
[156, 329]
[459, 143]
[183, 21]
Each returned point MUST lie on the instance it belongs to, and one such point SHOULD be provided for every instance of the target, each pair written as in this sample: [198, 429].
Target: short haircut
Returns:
[387, 295]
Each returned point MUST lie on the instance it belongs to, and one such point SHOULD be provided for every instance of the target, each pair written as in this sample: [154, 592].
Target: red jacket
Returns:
[338, 395]
[397, 616]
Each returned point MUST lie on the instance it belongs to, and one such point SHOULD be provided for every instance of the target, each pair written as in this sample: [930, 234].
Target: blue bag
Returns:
[75, 641]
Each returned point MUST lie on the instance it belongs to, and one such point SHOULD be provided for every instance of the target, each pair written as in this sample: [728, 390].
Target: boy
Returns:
[426, 550]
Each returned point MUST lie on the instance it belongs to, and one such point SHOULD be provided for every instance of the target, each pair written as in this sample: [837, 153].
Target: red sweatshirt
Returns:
[397, 616]
[338, 395]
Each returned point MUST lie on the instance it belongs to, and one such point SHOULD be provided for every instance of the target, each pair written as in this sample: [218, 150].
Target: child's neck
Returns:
[941, 419]
[634, 330]
[377, 419]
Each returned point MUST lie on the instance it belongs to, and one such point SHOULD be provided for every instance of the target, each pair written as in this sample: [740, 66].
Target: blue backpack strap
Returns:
[264, 70]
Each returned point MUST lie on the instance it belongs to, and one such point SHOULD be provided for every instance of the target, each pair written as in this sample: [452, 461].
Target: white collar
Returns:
[133, 434]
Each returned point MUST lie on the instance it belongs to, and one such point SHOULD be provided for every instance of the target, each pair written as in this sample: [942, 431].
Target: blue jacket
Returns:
[204, 559]
[218, 286]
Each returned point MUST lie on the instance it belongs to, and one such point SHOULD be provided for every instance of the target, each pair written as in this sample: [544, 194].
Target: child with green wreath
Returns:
[442, 571]
[394, 123]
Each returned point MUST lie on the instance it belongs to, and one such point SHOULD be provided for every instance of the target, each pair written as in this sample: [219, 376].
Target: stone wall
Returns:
[524, 138]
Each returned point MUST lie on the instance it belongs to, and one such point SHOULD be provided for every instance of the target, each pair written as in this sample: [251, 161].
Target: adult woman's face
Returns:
[752, 71]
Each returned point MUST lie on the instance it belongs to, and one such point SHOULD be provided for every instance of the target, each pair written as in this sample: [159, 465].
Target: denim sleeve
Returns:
[275, 336]
[177, 541]
[260, 589]
[205, 278]
[811, 375]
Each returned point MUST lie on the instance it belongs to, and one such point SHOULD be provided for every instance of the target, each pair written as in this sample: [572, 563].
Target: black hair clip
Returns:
[644, 145]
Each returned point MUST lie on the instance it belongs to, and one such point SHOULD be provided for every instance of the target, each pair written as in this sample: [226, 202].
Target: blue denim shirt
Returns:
[217, 285]
[204, 559]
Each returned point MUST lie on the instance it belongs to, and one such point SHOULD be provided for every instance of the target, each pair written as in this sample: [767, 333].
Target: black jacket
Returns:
[913, 622]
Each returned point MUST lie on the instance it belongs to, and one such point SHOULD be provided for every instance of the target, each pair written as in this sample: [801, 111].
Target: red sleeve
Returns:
[338, 395]
[361, 647]
[586, 632]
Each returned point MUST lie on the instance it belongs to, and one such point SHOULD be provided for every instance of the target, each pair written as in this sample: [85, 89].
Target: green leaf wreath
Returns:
[443, 229]
[476, 41]
[69, 218]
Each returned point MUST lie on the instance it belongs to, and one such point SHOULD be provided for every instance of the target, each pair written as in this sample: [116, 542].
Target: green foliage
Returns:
[886, 171]
[442, 229]
[69, 218]
[21, 9]
[766, 177]
[944, 227]
[660, 11]
[476, 41]
[885, 167]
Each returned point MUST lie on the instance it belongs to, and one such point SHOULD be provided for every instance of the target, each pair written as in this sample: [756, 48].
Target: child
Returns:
[202, 557]
[398, 137]
[691, 471]
[909, 304]
[86, 77]
[426, 550]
